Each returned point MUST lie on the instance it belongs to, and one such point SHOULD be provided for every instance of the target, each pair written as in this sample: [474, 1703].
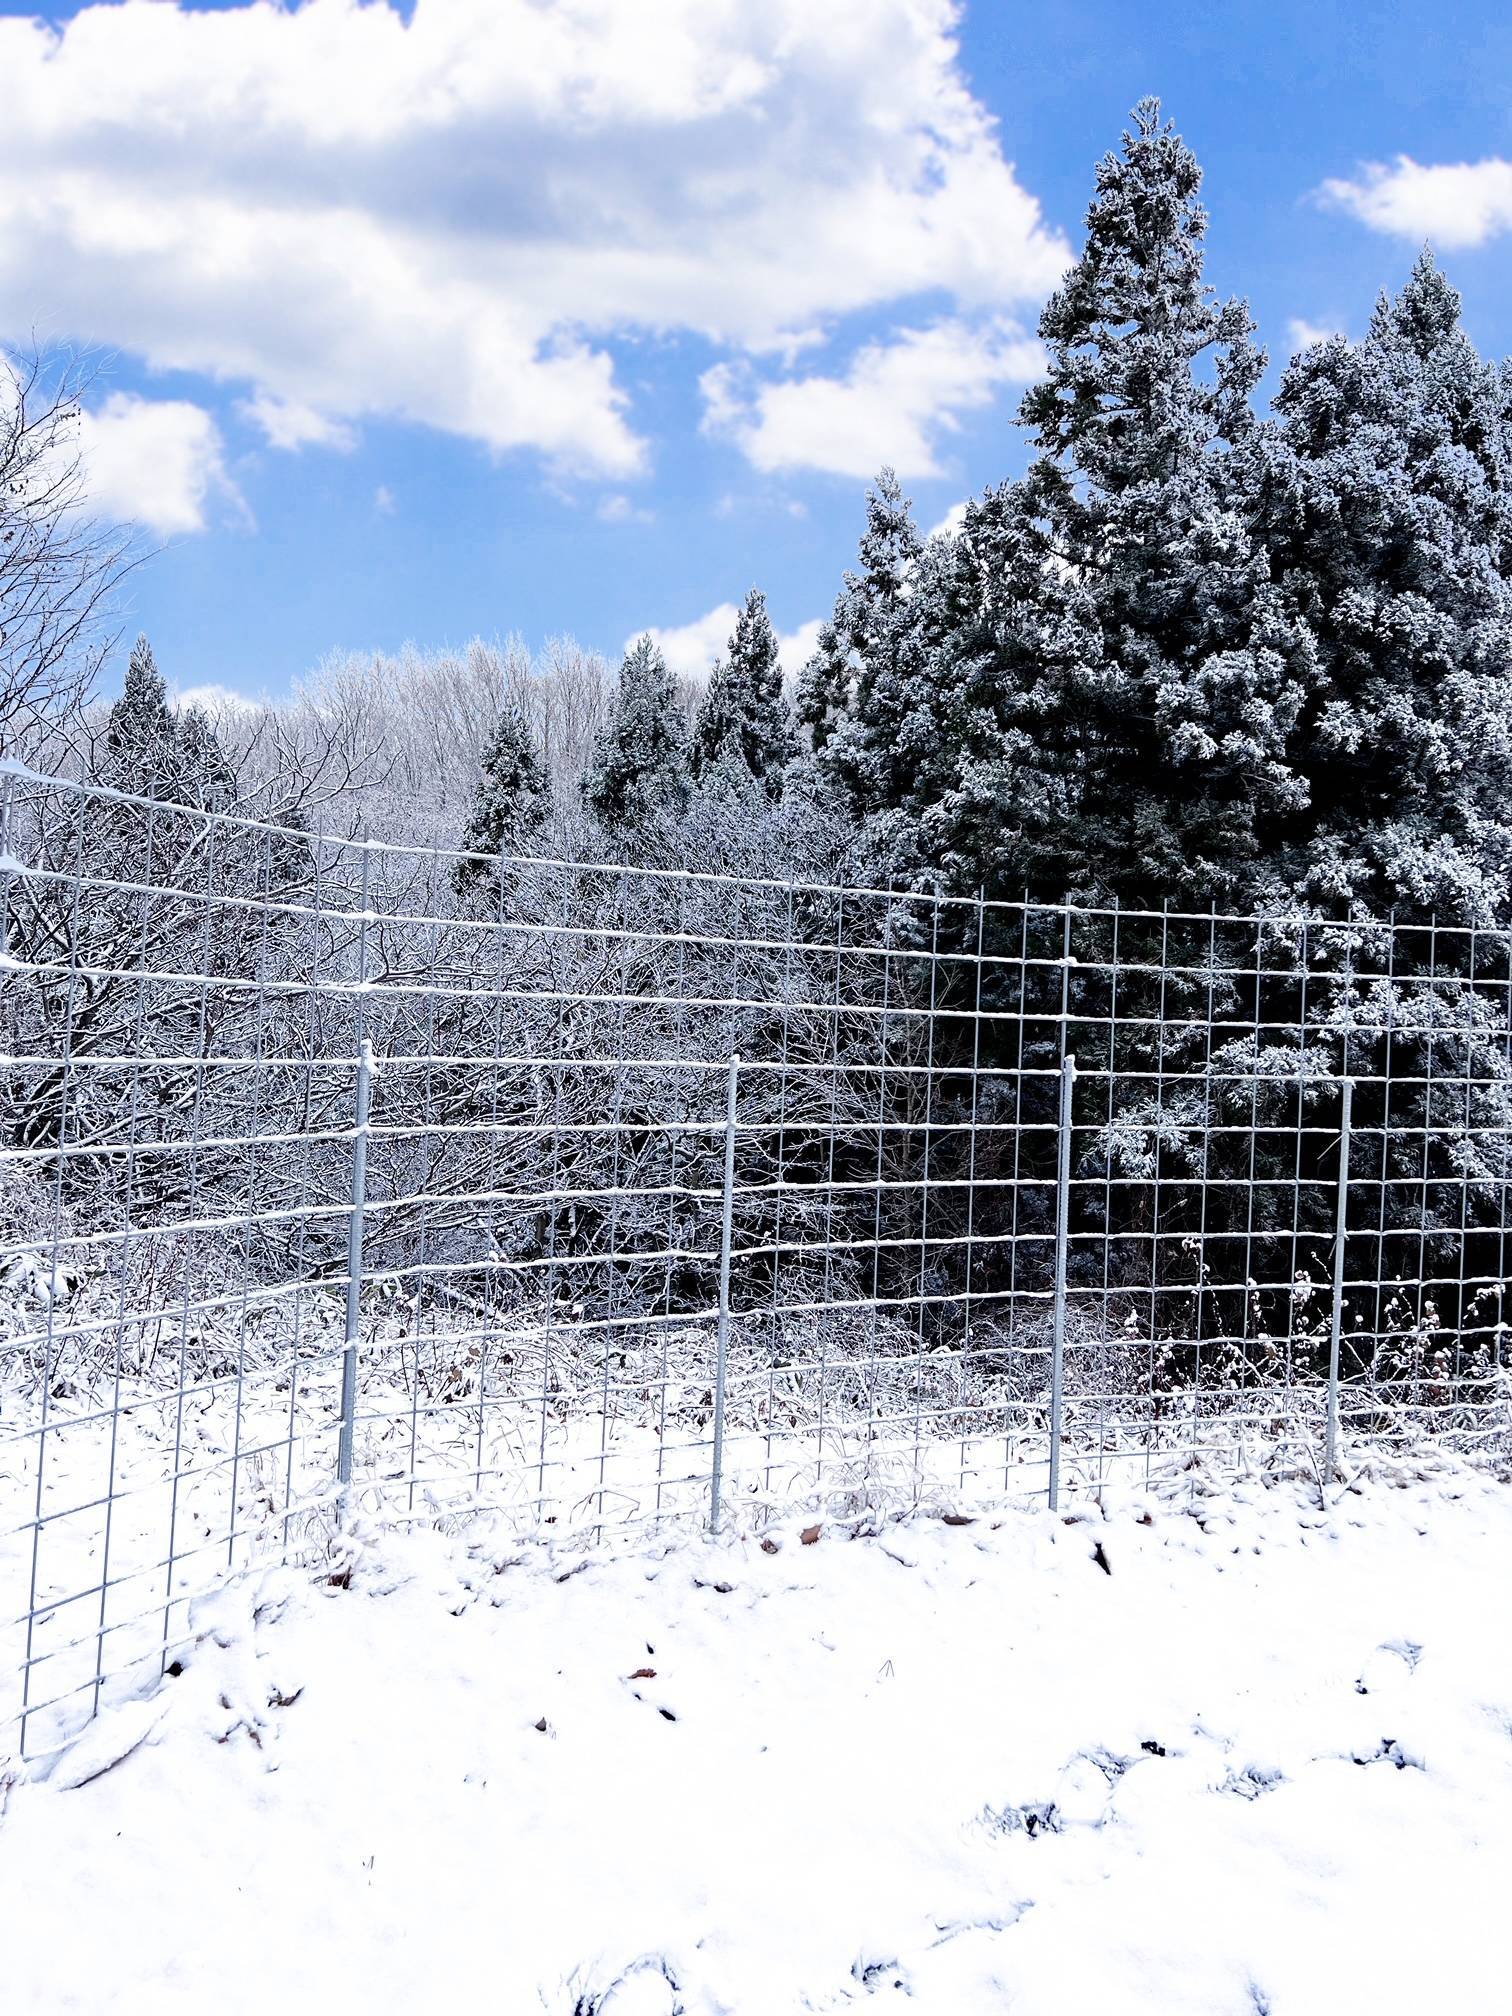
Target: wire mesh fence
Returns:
[344, 1179]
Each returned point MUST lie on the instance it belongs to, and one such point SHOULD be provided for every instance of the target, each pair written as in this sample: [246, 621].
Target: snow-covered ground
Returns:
[1211, 1749]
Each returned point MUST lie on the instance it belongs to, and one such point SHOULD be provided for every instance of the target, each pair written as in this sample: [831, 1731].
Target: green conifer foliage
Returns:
[511, 802]
[1390, 515]
[745, 719]
[638, 778]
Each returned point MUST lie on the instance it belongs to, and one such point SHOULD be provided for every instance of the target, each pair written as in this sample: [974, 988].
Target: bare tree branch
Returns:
[59, 567]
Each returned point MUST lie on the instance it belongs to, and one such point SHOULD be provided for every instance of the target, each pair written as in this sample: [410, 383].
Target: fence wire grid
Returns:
[345, 1178]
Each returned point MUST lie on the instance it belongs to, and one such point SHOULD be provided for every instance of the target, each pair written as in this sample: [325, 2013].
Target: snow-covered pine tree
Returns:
[205, 772]
[1390, 514]
[151, 750]
[909, 698]
[638, 777]
[1094, 686]
[745, 719]
[1170, 721]
[140, 750]
[822, 698]
[1387, 505]
[174, 774]
[510, 804]
[714, 742]
[955, 745]
[865, 685]
[1137, 674]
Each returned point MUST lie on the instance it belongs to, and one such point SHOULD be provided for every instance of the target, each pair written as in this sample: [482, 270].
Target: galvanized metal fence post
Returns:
[1062, 1232]
[359, 1207]
[716, 1475]
[354, 1273]
[1331, 1447]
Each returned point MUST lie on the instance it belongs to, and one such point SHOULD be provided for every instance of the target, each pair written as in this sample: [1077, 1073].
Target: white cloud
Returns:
[1454, 204]
[214, 699]
[443, 220]
[892, 405]
[154, 462]
[691, 648]
[384, 501]
[1302, 334]
[950, 524]
[796, 647]
[292, 426]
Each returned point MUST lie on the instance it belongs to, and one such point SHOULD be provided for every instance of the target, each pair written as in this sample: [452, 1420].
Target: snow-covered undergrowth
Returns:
[1211, 1749]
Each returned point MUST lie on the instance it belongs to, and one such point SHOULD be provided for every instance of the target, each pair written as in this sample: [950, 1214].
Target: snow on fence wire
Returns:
[346, 1179]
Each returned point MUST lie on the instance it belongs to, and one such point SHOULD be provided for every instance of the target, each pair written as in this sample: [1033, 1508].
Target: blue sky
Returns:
[484, 316]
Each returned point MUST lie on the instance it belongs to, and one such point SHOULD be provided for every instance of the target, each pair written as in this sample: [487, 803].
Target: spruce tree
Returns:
[715, 741]
[1095, 685]
[824, 693]
[152, 751]
[510, 804]
[1388, 509]
[882, 630]
[1390, 514]
[745, 720]
[141, 744]
[638, 777]
[1176, 706]
[207, 777]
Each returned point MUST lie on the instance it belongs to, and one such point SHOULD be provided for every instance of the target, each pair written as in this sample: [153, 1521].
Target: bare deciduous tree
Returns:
[59, 566]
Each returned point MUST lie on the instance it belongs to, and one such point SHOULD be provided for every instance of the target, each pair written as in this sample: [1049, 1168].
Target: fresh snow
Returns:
[1211, 1750]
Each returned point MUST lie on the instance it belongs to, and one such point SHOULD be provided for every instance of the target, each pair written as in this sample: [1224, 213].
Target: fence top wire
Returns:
[1249, 969]
[1278, 919]
[840, 1005]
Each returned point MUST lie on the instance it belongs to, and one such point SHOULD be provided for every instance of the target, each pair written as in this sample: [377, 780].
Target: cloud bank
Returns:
[447, 221]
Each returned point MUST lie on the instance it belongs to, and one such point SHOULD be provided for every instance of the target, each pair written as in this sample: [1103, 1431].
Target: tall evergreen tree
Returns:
[511, 802]
[207, 776]
[715, 740]
[175, 762]
[823, 699]
[1390, 513]
[141, 744]
[638, 776]
[1176, 705]
[745, 719]
[1095, 685]
[153, 751]
[866, 685]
